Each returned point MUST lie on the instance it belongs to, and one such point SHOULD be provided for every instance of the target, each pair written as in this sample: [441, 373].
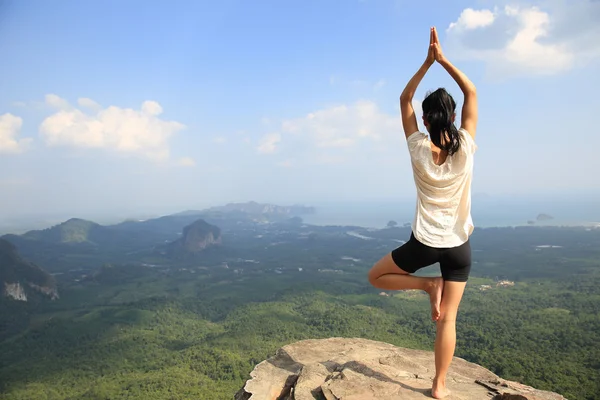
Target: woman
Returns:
[442, 167]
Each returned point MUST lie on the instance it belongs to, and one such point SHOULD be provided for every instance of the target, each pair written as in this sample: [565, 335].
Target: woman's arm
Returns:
[409, 120]
[469, 115]
[469, 111]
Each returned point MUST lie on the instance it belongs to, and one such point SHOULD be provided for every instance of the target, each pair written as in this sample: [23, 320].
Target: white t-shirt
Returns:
[443, 215]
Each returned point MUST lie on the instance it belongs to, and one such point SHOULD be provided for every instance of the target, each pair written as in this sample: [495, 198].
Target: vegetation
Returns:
[160, 329]
[14, 269]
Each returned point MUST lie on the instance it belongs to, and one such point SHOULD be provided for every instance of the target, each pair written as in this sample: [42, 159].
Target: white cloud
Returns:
[528, 40]
[473, 19]
[10, 126]
[220, 140]
[344, 125]
[151, 108]
[57, 102]
[186, 162]
[268, 143]
[336, 135]
[88, 103]
[119, 129]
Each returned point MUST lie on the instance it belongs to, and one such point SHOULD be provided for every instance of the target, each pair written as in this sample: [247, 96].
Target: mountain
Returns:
[78, 243]
[544, 217]
[21, 279]
[196, 238]
[254, 210]
[82, 244]
[74, 230]
[155, 230]
[64, 237]
[252, 207]
[361, 369]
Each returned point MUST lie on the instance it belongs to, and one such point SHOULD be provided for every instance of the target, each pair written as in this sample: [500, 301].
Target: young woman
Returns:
[442, 166]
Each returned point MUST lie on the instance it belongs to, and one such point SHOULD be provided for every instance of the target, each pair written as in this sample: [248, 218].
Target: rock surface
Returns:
[15, 291]
[360, 369]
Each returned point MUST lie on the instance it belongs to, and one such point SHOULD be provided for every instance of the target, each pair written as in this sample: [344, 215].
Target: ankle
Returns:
[430, 285]
[439, 381]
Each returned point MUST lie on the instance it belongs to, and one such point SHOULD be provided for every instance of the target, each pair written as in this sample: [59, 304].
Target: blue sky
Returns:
[144, 106]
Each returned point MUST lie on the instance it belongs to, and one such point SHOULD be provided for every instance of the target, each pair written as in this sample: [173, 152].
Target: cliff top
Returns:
[360, 369]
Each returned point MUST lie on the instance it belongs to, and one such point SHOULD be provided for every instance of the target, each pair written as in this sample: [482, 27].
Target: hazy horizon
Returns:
[488, 211]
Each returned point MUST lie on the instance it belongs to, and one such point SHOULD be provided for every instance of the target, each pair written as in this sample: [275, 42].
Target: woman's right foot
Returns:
[439, 391]
[436, 287]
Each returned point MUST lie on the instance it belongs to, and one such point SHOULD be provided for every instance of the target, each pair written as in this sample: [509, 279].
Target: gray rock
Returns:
[360, 369]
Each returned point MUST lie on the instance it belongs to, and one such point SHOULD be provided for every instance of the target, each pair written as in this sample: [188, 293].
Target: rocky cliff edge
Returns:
[360, 369]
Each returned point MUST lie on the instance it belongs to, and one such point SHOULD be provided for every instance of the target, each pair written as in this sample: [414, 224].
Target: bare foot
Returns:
[439, 392]
[435, 296]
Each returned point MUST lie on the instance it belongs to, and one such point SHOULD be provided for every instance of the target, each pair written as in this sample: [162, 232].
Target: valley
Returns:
[133, 320]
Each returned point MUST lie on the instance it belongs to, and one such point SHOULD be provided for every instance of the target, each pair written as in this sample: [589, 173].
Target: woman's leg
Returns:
[385, 274]
[455, 264]
[445, 339]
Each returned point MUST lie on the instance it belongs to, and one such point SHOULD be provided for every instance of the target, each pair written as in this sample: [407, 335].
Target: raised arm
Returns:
[409, 120]
[469, 111]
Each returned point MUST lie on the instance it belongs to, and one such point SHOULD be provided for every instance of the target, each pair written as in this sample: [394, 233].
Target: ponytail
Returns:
[438, 109]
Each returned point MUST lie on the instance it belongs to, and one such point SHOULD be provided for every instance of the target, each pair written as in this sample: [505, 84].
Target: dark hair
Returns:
[438, 109]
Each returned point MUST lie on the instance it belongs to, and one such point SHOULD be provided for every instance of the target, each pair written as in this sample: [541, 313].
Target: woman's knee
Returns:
[383, 267]
[373, 275]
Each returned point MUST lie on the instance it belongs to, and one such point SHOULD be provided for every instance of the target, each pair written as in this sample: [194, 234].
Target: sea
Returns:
[486, 212]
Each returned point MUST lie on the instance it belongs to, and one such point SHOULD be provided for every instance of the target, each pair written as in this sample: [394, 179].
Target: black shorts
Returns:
[455, 262]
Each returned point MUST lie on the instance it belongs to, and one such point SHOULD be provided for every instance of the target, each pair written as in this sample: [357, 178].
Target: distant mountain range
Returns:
[75, 242]
[255, 210]
[55, 246]
[76, 230]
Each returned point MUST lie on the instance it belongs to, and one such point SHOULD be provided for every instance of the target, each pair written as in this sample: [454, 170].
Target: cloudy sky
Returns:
[152, 107]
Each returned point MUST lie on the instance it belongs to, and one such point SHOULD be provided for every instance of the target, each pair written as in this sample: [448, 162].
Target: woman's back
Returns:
[443, 210]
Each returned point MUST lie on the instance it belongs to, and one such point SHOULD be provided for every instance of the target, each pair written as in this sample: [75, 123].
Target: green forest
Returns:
[196, 330]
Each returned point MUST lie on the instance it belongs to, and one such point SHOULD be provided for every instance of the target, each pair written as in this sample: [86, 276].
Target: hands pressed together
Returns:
[435, 49]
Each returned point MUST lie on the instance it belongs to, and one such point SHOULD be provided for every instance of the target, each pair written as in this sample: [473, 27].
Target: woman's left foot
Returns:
[439, 392]
[435, 296]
